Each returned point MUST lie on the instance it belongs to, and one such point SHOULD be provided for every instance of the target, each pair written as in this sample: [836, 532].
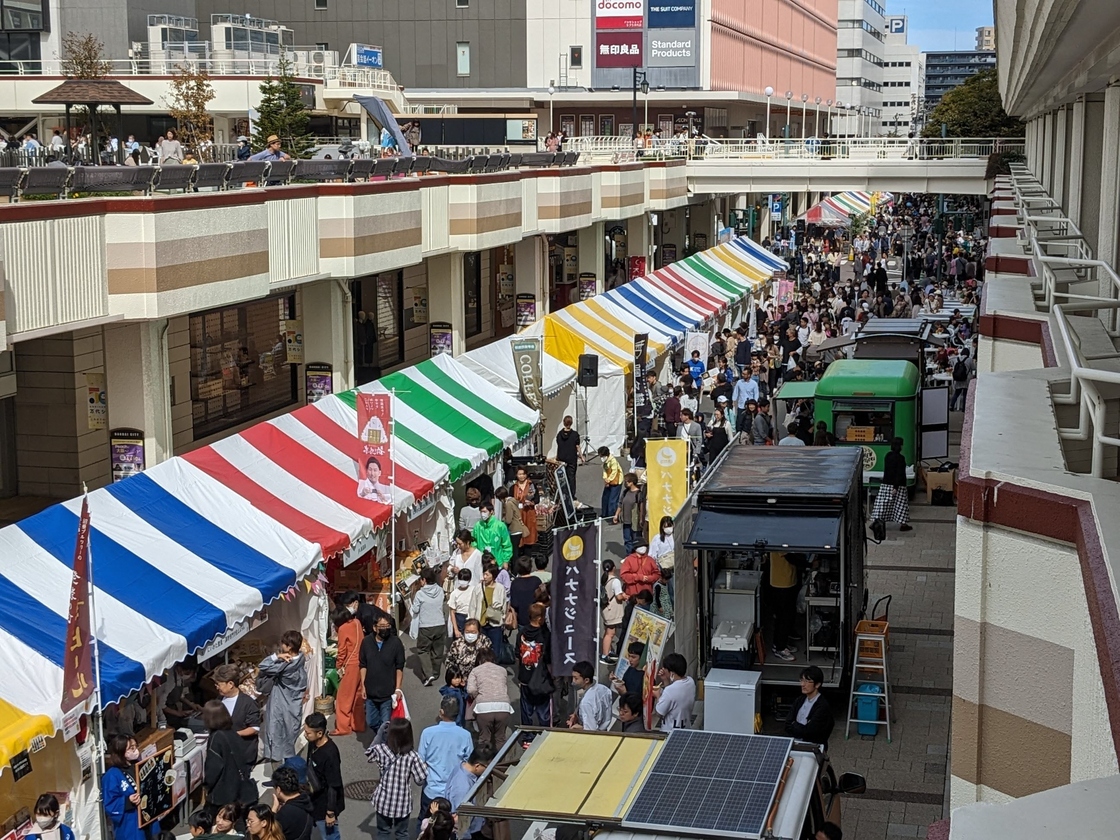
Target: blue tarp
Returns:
[384, 118]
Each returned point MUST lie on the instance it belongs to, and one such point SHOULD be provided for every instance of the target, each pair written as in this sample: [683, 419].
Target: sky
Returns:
[931, 24]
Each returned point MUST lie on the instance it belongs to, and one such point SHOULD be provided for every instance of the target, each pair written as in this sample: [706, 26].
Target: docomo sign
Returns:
[618, 49]
[619, 14]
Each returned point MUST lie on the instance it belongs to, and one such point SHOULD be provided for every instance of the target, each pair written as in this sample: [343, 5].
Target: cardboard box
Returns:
[939, 481]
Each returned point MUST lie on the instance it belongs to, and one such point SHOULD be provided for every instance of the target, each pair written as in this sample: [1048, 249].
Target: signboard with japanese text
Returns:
[526, 310]
[636, 267]
[97, 407]
[588, 285]
[126, 453]
[619, 14]
[642, 401]
[367, 56]
[441, 338]
[318, 379]
[574, 610]
[155, 779]
[776, 207]
[619, 49]
[672, 14]
[293, 342]
[375, 452]
[666, 479]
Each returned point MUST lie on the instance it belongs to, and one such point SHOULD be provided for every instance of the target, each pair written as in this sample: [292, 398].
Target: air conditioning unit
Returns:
[301, 58]
[318, 57]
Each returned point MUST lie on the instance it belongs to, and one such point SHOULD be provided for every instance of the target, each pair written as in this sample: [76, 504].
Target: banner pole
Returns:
[392, 499]
[599, 577]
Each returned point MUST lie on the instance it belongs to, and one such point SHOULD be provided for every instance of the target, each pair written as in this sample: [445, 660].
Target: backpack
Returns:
[960, 371]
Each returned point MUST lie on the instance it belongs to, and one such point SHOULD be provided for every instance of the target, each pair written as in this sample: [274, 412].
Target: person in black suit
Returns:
[243, 710]
[367, 613]
[810, 716]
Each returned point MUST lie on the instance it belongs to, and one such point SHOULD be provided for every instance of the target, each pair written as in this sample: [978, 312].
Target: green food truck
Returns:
[868, 402]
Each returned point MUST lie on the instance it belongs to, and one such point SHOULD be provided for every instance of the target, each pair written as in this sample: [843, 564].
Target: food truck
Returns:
[866, 403]
[684, 784]
[754, 500]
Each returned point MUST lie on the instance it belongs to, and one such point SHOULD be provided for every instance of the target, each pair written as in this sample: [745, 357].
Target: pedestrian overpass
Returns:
[874, 164]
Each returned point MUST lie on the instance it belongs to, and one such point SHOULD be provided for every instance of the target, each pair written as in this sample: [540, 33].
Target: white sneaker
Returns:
[784, 654]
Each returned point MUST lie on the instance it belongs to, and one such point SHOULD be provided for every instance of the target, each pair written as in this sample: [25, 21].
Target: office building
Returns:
[903, 80]
[946, 70]
[861, 30]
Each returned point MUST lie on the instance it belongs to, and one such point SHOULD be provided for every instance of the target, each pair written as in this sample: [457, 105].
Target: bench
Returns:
[362, 169]
[211, 176]
[280, 171]
[11, 179]
[170, 178]
[115, 179]
[248, 172]
[46, 180]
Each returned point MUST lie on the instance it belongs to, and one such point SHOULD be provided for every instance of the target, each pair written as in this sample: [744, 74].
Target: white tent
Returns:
[494, 363]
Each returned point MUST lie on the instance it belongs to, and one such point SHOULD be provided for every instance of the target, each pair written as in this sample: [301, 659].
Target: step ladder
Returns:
[870, 668]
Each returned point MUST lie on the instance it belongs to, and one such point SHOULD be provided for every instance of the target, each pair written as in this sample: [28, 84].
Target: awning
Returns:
[838, 209]
[17, 729]
[632, 299]
[797, 391]
[773, 532]
[758, 254]
[579, 329]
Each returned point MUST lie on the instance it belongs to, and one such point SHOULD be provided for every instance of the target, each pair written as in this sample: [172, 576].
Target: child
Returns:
[456, 687]
[438, 804]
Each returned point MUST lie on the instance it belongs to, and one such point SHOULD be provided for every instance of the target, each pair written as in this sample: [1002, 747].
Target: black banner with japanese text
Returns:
[575, 601]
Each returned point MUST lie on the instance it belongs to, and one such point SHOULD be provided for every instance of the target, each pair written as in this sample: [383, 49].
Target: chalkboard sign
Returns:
[155, 778]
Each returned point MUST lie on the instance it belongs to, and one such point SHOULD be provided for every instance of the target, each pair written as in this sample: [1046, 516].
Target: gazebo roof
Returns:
[91, 92]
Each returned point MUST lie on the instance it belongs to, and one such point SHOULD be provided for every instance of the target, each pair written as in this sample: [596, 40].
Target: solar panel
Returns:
[711, 782]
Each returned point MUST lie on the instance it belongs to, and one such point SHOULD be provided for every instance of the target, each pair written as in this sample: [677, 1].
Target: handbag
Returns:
[314, 783]
[511, 619]
[505, 654]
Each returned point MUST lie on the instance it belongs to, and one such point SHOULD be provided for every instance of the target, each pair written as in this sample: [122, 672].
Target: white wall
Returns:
[551, 28]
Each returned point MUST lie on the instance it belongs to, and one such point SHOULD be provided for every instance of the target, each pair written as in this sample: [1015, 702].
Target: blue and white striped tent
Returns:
[758, 254]
[638, 300]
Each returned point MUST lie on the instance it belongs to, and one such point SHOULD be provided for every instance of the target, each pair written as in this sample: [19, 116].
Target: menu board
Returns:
[155, 781]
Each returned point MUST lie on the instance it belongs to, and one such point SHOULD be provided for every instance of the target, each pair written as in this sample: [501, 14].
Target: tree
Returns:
[188, 100]
[83, 56]
[974, 109]
[283, 113]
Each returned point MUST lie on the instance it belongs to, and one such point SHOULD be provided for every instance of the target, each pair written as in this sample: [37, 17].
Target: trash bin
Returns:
[867, 708]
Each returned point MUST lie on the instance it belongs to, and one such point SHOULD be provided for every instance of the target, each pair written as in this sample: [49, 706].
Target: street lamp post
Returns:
[804, 100]
[789, 100]
[828, 119]
[639, 77]
[551, 91]
[817, 119]
[769, 91]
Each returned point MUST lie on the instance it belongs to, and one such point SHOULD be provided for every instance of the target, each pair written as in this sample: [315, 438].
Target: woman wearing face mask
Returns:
[463, 653]
[118, 788]
[464, 603]
[639, 570]
[491, 534]
[47, 824]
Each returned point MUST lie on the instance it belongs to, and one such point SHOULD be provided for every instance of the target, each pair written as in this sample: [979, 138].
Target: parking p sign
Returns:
[896, 26]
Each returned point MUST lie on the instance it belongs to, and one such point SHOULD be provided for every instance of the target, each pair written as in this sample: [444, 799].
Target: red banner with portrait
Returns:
[375, 447]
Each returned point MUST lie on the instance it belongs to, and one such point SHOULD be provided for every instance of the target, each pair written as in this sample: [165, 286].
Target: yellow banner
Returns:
[666, 479]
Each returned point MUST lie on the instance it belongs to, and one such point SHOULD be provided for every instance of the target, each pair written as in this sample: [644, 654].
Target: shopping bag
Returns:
[400, 708]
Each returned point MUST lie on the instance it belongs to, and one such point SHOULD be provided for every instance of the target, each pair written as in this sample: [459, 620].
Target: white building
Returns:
[986, 38]
[860, 35]
[904, 80]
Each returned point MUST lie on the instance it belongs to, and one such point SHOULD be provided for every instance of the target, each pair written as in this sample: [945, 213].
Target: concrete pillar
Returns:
[639, 238]
[1047, 175]
[701, 220]
[327, 330]
[592, 245]
[446, 296]
[1109, 222]
[1058, 184]
[1076, 164]
[530, 261]
[1091, 164]
[138, 384]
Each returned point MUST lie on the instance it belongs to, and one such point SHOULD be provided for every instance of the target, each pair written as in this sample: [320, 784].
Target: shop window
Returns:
[863, 421]
[24, 14]
[390, 332]
[472, 293]
[239, 366]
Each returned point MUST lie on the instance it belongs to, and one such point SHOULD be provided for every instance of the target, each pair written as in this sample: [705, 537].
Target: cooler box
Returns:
[867, 708]
[731, 645]
[731, 700]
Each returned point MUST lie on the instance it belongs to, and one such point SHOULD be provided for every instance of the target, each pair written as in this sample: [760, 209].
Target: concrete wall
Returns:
[1029, 711]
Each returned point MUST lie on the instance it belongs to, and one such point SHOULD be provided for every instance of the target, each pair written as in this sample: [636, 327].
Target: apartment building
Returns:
[860, 48]
[903, 80]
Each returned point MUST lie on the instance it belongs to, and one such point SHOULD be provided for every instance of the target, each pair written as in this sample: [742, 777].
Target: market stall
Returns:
[837, 210]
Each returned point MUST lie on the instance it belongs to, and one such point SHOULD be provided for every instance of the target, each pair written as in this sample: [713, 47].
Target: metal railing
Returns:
[811, 148]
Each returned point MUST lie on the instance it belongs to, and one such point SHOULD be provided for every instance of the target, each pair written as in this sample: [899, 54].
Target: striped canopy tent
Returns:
[638, 300]
[837, 210]
[652, 291]
[196, 544]
[582, 328]
[759, 255]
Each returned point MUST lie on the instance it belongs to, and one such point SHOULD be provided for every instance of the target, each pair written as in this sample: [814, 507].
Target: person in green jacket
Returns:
[491, 534]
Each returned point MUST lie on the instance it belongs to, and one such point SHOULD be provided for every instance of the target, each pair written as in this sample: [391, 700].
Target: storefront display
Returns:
[239, 363]
[563, 275]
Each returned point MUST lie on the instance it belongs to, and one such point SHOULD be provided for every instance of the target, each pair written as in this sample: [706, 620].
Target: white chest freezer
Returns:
[731, 700]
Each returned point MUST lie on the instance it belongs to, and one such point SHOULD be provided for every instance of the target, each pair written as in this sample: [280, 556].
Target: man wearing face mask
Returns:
[366, 613]
[491, 534]
[381, 664]
[639, 570]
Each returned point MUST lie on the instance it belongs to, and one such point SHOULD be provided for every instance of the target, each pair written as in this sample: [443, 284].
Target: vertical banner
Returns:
[97, 408]
[126, 453]
[318, 381]
[575, 603]
[636, 267]
[77, 667]
[527, 362]
[441, 338]
[588, 285]
[784, 292]
[642, 401]
[375, 453]
[666, 479]
[526, 310]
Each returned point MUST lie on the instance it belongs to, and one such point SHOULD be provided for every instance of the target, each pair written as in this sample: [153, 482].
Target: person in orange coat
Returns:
[639, 570]
[349, 707]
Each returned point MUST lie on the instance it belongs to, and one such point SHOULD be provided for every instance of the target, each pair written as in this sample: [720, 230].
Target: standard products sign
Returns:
[672, 48]
[619, 14]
